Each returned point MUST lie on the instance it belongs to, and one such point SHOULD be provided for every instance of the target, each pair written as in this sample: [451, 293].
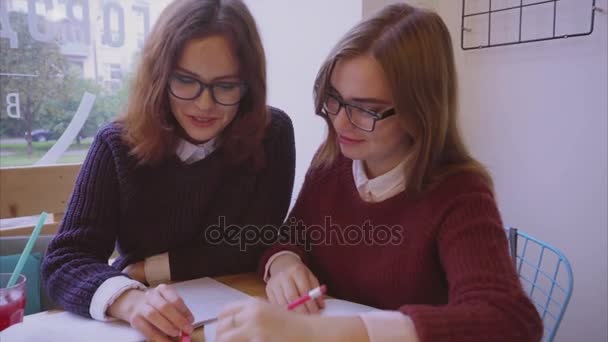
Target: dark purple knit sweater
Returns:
[148, 210]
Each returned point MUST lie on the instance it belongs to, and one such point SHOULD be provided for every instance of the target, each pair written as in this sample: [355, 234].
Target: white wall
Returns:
[297, 36]
[536, 115]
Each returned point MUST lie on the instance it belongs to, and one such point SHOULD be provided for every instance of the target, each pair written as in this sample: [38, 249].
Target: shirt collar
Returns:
[381, 187]
[190, 153]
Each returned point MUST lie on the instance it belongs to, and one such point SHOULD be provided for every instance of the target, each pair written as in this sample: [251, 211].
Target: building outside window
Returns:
[53, 53]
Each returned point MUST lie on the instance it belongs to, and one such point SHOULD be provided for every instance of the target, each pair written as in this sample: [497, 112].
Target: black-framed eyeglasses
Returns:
[189, 88]
[362, 118]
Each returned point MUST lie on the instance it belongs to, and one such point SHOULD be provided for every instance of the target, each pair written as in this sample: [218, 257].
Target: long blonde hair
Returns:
[414, 48]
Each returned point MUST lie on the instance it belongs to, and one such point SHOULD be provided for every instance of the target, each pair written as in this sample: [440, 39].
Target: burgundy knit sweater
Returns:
[442, 257]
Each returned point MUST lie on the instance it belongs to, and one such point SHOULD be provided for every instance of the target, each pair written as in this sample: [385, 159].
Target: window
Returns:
[78, 66]
[115, 71]
[55, 79]
[82, 46]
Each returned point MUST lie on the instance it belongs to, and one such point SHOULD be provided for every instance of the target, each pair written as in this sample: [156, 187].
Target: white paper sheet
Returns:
[65, 326]
[205, 297]
[338, 307]
[333, 307]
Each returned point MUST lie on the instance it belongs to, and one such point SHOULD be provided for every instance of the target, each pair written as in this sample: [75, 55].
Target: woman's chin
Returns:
[352, 153]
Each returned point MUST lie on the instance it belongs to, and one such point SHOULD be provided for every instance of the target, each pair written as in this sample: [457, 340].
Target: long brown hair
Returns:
[150, 127]
[414, 48]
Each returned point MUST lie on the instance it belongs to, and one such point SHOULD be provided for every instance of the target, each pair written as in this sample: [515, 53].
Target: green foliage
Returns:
[61, 110]
[51, 99]
[32, 58]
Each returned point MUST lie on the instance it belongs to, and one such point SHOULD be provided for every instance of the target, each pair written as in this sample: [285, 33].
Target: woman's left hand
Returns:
[257, 320]
[136, 271]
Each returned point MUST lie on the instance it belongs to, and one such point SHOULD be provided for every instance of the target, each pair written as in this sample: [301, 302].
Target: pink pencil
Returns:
[311, 295]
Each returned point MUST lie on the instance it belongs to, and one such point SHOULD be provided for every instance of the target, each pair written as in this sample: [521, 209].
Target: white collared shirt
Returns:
[380, 188]
[190, 153]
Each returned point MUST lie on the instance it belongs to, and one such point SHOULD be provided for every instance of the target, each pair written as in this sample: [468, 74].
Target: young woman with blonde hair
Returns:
[394, 158]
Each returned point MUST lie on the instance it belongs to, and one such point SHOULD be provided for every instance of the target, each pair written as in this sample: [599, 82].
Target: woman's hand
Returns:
[257, 320]
[290, 279]
[136, 271]
[158, 313]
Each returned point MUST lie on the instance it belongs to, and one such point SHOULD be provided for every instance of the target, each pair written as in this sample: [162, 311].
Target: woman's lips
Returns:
[202, 121]
[348, 141]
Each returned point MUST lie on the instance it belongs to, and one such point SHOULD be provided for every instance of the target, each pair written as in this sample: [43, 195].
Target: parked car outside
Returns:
[41, 135]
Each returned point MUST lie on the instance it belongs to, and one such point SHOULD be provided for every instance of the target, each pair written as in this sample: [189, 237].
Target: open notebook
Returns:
[205, 297]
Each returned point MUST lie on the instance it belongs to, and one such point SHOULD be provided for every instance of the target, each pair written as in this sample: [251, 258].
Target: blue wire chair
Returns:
[546, 276]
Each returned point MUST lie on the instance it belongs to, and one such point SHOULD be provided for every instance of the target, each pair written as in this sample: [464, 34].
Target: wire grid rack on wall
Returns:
[492, 23]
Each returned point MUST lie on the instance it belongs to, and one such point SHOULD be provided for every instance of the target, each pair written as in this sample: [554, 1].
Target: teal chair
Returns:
[10, 249]
[546, 276]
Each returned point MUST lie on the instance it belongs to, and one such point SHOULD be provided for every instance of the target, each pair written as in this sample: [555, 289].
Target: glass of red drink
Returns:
[12, 301]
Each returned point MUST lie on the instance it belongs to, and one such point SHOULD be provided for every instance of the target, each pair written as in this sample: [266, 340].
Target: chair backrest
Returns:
[14, 245]
[27, 191]
[545, 275]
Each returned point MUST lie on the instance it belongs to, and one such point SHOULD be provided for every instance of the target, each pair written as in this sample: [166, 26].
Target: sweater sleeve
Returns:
[486, 301]
[262, 215]
[76, 263]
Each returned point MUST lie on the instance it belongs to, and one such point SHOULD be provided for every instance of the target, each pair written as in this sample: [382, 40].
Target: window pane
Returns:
[51, 54]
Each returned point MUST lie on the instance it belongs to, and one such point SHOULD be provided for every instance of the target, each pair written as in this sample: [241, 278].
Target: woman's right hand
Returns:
[159, 313]
[290, 279]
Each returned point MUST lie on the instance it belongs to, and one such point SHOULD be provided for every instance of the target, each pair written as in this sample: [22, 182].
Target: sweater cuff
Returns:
[107, 293]
[157, 269]
[389, 326]
[273, 258]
